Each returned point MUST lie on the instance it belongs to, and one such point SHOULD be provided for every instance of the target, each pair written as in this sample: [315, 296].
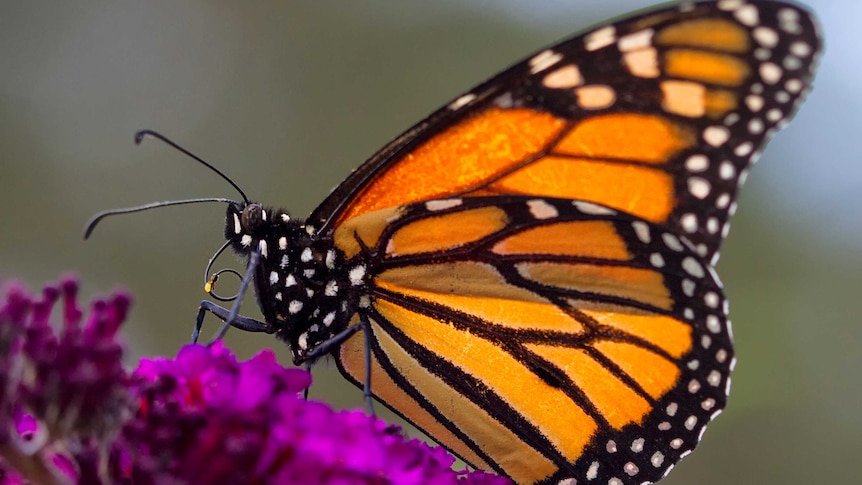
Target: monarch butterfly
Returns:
[532, 265]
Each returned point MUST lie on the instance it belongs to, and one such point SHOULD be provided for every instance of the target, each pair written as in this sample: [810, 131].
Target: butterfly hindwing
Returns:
[539, 334]
[659, 115]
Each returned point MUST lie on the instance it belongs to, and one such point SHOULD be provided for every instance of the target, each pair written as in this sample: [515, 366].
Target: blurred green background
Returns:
[288, 97]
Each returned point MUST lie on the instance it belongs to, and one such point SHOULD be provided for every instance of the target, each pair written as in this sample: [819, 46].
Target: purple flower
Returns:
[59, 389]
[207, 419]
[70, 413]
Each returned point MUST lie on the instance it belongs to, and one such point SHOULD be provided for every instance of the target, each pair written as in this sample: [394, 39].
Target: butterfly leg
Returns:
[232, 318]
[243, 323]
[328, 346]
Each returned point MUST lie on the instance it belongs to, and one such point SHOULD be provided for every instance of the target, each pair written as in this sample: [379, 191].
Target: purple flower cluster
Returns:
[70, 412]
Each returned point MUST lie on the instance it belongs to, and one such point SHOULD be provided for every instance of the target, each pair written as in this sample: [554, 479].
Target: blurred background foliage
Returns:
[288, 97]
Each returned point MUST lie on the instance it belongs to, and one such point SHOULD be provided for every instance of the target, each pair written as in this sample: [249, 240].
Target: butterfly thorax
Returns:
[303, 284]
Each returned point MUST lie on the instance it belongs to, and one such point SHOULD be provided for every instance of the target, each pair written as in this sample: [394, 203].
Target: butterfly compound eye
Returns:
[252, 217]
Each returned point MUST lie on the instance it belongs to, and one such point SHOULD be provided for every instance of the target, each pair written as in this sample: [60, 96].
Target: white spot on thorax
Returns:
[329, 318]
[263, 248]
[356, 275]
[282, 243]
[294, 307]
[306, 255]
[237, 226]
[245, 240]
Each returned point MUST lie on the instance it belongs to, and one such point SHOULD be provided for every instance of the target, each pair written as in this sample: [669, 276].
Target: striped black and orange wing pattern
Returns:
[539, 252]
[659, 115]
[542, 338]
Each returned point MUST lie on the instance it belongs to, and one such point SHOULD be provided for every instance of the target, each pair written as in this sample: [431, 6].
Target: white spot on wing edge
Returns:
[462, 101]
[747, 15]
[693, 267]
[642, 231]
[716, 135]
[636, 40]
[543, 60]
[565, 77]
[540, 209]
[592, 209]
[602, 37]
[442, 204]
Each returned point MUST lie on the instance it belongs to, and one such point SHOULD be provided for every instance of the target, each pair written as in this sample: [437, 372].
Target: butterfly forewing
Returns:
[658, 115]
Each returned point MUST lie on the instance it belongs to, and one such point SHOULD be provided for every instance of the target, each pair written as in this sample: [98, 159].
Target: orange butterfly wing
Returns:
[527, 334]
[659, 116]
[541, 296]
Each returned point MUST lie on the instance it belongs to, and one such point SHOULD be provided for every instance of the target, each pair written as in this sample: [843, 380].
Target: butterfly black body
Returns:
[305, 288]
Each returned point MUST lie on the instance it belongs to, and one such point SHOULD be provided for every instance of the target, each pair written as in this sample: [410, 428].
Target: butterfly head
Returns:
[250, 222]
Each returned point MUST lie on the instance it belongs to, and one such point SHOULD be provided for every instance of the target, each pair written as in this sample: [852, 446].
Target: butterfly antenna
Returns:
[91, 224]
[139, 137]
